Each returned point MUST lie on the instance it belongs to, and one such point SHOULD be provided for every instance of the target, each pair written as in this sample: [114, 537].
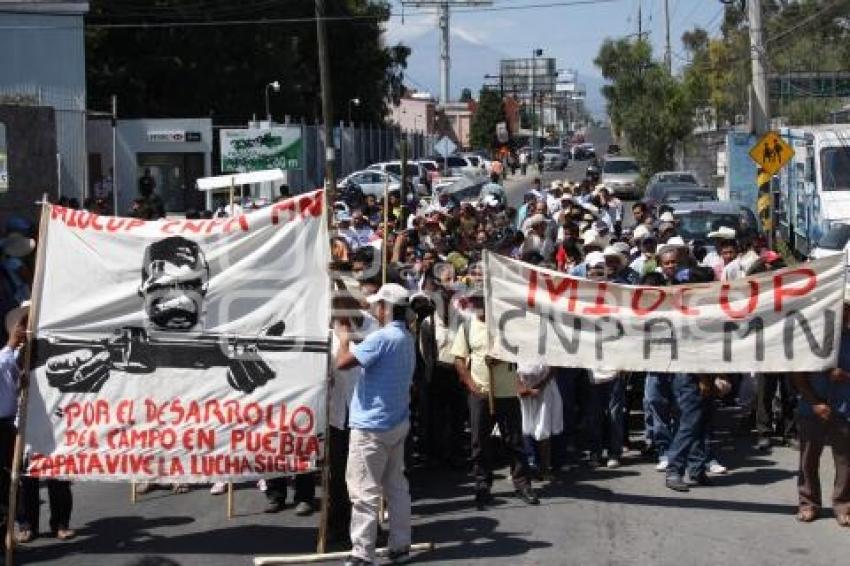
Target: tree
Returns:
[466, 95]
[488, 113]
[222, 70]
[652, 109]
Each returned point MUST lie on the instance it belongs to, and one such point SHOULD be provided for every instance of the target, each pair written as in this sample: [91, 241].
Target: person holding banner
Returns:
[380, 419]
[824, 418]
[10, 381]
[488, 379]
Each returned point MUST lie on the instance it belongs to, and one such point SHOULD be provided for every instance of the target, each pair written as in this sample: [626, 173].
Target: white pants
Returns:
[376, 466]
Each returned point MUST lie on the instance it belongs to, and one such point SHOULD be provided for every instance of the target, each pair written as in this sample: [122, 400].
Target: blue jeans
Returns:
[658, 410]
[688, 449]
[606, 416]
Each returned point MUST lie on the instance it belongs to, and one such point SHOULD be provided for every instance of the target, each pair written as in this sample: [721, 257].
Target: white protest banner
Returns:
[181, 350]
[783, 321]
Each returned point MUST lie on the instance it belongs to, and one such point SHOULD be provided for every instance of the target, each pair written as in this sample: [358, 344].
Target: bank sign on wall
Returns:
[245, 150]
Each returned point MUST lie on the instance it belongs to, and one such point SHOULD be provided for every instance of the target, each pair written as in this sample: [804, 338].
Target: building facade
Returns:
[43, 63]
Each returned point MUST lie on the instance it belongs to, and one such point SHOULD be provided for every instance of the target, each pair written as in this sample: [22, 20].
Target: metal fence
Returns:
[357, 147]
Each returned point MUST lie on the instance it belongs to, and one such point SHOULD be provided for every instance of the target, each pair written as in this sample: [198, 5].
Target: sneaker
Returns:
[700, 479]
[399, 555]
[144, 487]
[527, 494]
[676, 483]
[716, 467]
[612, 463]
[218, 488]
[594, 461]
[274, 507]
[304, 508]
[356, 561]
[663, 462]
[261, 485]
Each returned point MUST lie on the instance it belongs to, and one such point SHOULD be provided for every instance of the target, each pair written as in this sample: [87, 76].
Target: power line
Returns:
[309, 19]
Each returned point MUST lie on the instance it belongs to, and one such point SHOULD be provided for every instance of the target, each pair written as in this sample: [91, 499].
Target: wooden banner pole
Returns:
[386, 231]
[230, 500]
[133, 492]
[326, 557]
[32, 327]
[322, 541]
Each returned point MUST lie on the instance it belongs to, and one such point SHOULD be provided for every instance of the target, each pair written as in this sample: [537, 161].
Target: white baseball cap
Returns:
[595, 258]
[667, 217]
[723, 233]
[391, 293]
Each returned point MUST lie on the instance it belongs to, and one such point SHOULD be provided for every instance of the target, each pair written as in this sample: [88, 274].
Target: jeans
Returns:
[658, 411]
[376, 467]
[509, 419]
[687, 451]
[606, 417]
[448, 414]
[339, 516]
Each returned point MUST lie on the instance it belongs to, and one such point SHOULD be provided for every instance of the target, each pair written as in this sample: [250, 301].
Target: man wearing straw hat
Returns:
[379, 417]
[10, 375]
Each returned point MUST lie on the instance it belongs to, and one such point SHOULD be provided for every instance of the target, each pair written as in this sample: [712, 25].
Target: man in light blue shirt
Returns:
[379, 420]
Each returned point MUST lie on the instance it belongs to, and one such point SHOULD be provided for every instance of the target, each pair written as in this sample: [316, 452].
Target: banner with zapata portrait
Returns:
[181, 350]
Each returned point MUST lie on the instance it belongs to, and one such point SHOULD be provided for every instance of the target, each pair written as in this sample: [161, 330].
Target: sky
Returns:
[570, 33]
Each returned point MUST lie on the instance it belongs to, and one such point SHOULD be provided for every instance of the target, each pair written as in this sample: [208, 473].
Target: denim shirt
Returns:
[836, 394]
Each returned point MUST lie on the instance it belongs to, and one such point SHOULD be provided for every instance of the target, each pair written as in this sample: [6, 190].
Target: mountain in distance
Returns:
[470, 62]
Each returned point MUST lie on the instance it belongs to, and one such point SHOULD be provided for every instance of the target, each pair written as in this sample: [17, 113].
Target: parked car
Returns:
[676, 177]
[663, 195]
[477, 160]
[417, 174]
[835, 241]
[621, 176]
[370, 182]
[697, 219]
[456, 166]
[554, 158]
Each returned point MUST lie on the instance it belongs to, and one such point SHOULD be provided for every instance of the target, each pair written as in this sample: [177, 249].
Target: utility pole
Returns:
[327, 104]
[443, 20]
[640, 20]
[668, 54]
[759, 108]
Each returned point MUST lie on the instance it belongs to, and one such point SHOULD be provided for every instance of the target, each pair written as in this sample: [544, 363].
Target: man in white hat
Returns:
[379, 417]
[10, 378]
[724, 241]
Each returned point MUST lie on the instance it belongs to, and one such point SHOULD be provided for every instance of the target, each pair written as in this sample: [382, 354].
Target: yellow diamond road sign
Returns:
[771, 153]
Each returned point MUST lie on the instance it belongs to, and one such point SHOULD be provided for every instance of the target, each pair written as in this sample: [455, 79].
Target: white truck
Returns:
[814, 187]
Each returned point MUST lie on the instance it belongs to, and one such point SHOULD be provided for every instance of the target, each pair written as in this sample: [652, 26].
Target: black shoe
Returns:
[594, 461]
[355, 561]
[676, 483]
[763, 444]
[527, 494]
[274, 507]
[399, 556]
[700, 479]
[482, 497]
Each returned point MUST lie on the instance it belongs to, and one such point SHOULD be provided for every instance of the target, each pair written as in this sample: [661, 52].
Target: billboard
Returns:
[254, 149]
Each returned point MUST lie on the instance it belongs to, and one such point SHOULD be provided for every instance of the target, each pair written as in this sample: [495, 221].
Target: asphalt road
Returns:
[603, 517]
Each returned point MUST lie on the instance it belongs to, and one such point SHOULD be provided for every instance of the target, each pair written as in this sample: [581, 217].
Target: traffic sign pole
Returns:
[771, 153]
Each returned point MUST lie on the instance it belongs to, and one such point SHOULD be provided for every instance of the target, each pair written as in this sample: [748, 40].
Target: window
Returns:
[619, 167]
[836, 238]
[835, 168]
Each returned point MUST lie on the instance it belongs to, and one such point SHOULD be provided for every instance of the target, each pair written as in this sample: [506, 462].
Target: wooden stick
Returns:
[230, 500]
[326, 557]
[133, 492]
[386, 233]
[32, 327]
[322, 541]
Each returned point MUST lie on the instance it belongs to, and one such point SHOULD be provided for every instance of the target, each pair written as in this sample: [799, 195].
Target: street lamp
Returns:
[354, 102]
[275, 86]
